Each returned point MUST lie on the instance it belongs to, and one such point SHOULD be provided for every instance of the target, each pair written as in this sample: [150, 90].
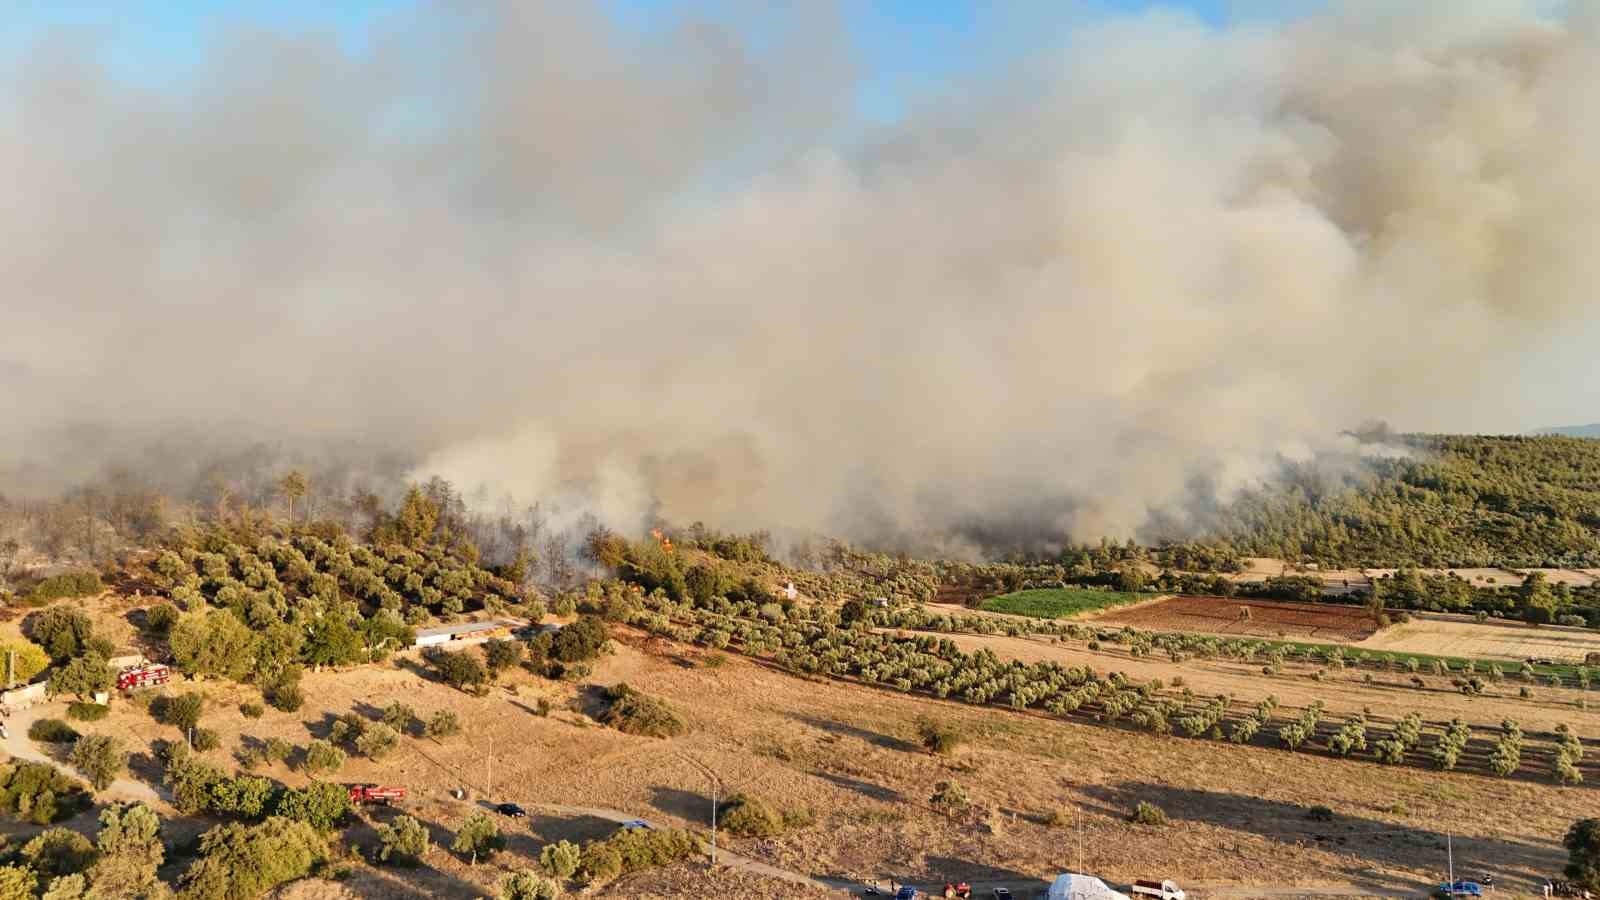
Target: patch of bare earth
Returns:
[1241, 617]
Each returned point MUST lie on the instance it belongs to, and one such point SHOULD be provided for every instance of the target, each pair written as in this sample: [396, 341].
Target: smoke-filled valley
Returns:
[673, 274]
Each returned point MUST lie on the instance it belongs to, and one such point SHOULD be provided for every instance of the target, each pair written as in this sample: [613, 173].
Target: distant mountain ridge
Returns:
[1583, 431]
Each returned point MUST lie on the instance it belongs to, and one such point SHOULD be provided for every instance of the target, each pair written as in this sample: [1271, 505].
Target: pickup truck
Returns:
[1166, 890]
[1460, 889]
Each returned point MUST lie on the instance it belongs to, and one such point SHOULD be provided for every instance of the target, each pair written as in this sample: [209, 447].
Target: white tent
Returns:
[1081, 887]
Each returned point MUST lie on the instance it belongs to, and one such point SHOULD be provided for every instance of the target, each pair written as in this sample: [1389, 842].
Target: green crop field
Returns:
[1058, 603]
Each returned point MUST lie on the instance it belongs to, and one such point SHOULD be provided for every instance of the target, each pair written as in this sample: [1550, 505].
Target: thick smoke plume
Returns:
[666, 274]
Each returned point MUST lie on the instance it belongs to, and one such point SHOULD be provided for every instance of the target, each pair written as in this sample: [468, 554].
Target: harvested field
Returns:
[1493, 639]
[1267, 618]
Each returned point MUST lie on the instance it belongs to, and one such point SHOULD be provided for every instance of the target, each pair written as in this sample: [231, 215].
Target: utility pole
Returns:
[716, 797]
[11, 669]
[1080, 840]
[1450, 856]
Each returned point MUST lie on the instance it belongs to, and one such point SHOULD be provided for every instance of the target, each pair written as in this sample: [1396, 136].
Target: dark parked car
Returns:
[512, 810]
[1001, 894]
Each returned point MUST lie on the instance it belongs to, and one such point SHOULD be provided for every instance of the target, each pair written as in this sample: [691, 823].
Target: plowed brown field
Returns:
[1269, 619]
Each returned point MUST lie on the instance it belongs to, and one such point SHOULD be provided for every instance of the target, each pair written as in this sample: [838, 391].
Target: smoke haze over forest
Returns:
[518, 246]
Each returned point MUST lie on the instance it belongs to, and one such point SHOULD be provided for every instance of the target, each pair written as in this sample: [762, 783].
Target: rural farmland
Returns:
[1255, 618]
[1490, 639]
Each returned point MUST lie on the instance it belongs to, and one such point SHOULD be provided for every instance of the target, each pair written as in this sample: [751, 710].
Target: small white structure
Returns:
[789, 592]
[1081, 887]
[466, 633]
[23, 697]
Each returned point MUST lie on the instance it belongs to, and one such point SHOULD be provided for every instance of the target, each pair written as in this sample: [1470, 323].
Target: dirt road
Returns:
[17, 745]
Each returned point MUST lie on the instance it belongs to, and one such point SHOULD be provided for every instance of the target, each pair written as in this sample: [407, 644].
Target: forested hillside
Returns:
[1453, 501]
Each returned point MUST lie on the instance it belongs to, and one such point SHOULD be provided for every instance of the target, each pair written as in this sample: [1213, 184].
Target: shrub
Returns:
[81, 677]
[478, 836]
[443, 723]
[130, 852]
[181, 712]
[320, 804]
[52, 731]
[205, 739]
[252, 710]
[247, 796]
[501, 655]
[405, 841]
[40, 793]
[1507, 754]
[582, 641]
[399, 716]
[378, 741]
[1320, 814]
[61, 631]
[1055, 818]
[159, 619]
[323, 758]
[1583, 853]
[190, 779]
[529, 886]
[750, 817]
[287, 695]
[71, 584]
[276, 750]
[559, 860]
[939, 737]
[249, 860]
[1148, 814]
[459, 668]
[1390, 751]
[101, 758]
[631, 712]
[599, 863]
[633, 850]
[26, 659]
[950, 796]
[347, 729]
[58, 851]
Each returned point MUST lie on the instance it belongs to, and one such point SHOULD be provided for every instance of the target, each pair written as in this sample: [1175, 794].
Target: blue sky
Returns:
[906, 47]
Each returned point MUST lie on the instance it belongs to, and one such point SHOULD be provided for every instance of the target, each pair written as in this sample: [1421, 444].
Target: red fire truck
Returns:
[375, 793]
[145, 675]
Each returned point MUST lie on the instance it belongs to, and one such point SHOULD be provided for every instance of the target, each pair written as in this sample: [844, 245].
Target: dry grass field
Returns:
[1493, 639]
[849, 754]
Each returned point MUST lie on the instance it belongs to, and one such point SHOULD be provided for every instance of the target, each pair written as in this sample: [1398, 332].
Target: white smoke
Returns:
[643, 275]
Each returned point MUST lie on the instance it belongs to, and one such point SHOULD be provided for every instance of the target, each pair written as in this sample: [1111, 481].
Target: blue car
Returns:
[906, 893]
[1461, 889]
